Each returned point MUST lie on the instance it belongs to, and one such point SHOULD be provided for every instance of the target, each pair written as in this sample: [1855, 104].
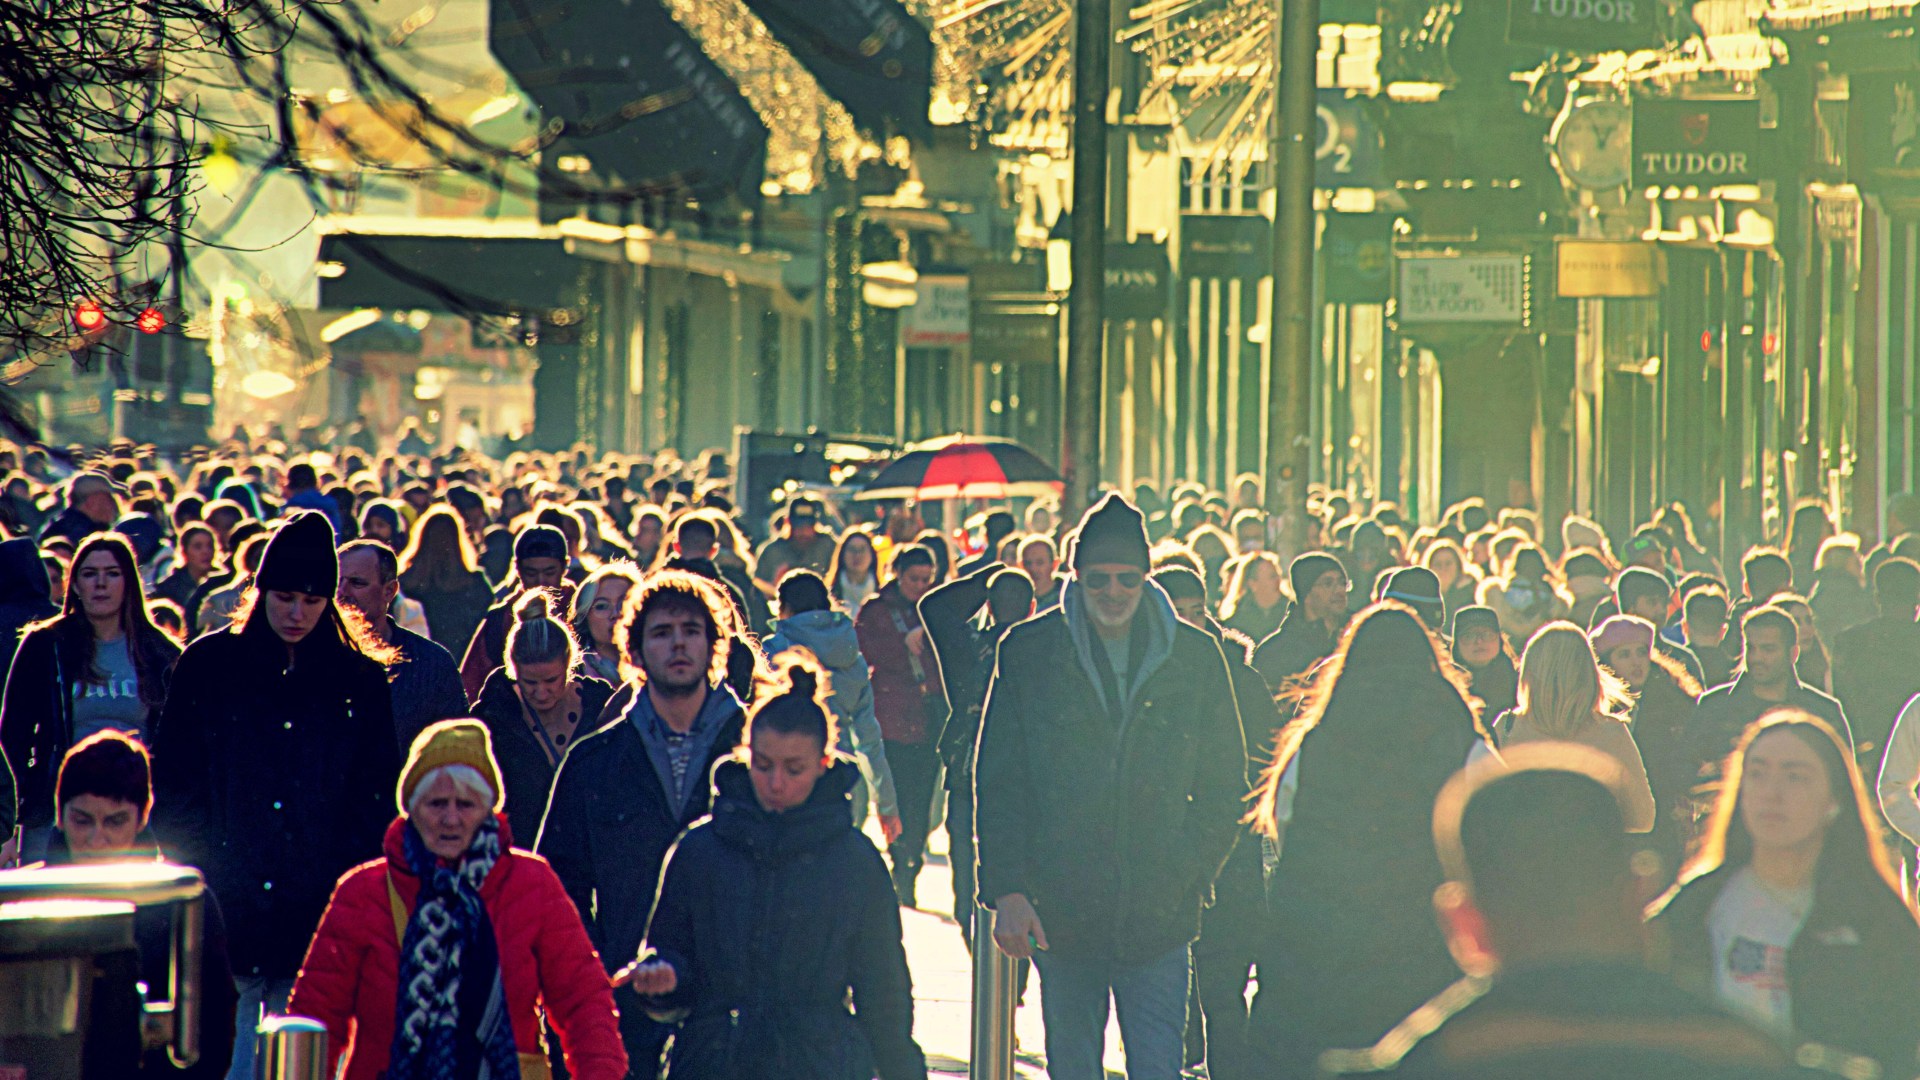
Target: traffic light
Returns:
[88, 316]
[150, 321]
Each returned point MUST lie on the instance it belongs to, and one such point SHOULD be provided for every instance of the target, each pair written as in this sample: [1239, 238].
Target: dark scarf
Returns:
[450, 1014]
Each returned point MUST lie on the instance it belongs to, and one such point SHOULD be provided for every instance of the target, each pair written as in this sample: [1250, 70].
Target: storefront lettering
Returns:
[1690, 162]
[1594, 10]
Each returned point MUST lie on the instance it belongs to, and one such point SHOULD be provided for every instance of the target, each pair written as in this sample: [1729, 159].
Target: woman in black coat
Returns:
[439, 569]
[774, 913]
[537, 707]
[99, 664]
[1349, 796]
[1788, 914]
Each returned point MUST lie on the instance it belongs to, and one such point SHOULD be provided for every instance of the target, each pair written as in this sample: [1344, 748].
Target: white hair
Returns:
[465, 778]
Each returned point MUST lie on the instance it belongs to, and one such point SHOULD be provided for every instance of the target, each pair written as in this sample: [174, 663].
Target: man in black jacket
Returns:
[625, 792]
[1766, 682]
[965, 619]
[1542, 913]
[1876, 665]
[1108, 780]
[1312, 627]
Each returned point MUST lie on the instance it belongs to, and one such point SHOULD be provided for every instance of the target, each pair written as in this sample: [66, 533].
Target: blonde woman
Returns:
[1565, 695]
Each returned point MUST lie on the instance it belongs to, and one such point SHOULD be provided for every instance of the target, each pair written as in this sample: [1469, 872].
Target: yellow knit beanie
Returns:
[451, 742]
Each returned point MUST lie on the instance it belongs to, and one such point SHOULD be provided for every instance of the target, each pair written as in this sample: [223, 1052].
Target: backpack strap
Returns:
[399, 907]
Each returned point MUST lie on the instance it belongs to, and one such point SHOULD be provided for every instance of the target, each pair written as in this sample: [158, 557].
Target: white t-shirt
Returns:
[1751, 926]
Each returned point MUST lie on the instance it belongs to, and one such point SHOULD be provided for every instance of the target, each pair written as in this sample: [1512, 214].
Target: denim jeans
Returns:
[1151, 999]
[259, 996]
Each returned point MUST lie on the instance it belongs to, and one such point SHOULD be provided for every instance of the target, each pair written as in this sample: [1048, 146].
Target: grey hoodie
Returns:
[830, 637]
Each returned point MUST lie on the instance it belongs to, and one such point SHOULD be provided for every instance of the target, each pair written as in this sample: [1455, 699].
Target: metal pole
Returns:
[1289, 412]
[1086, 315]
[292, 1048]
[993, 980]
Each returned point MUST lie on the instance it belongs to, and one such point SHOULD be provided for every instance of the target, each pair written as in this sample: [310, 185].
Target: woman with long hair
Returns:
[776, 897]
[1809, 527]
[269, 757]
[195, 558]
[854, 575]
[597, 604]
[1349, 796]
[100, 664]
[1788, 913]
[1459, 585]
[439, 569]
[1526, 595]
[1566, 696]
[1256, 595]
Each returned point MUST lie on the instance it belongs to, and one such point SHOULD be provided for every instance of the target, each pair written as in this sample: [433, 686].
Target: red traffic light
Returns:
[88, 316]
[150, 321]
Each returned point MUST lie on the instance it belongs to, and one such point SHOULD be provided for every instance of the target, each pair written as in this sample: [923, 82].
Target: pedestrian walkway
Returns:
[943, 984]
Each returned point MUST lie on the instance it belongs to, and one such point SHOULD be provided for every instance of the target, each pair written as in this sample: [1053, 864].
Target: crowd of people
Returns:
[540, 767]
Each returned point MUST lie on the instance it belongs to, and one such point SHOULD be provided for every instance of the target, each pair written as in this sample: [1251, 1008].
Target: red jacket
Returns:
[899, 699]
[350, 977]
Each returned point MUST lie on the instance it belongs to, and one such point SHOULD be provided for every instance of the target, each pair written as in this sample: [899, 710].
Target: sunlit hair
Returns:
[73, 632]
[1563, 686]
[850, 538]
[467, 780]
[1444, 546]
[439, 552]
[537, 636]
[1386, 643]
[792, 701]
[198, 528]
[674, 591]
[1240, 583]
[589, 592]
[343, 626]
[1852, 858]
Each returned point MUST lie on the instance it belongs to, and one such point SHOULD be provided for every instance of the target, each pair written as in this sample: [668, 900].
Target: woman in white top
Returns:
[1565, 695]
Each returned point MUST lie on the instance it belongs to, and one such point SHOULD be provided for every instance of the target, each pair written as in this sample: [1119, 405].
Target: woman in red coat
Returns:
[451, 886]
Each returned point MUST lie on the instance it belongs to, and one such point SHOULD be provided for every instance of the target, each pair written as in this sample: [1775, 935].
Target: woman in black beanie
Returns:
[273, 757]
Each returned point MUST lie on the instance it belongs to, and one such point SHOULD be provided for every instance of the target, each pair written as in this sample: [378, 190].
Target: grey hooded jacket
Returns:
[829, 636]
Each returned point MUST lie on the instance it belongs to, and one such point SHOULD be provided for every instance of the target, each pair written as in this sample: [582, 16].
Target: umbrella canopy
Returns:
[965, 467]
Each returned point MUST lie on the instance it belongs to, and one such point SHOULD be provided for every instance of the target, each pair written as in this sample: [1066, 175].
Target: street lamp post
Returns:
[1289, 412]
[1086, 316]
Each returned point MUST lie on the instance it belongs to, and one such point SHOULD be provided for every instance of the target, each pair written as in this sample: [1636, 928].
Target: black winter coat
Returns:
[608, 827]
[36, 716]
[773, 923]
[274, 780]
[1853, 973]
[524, 770]
[1293, 649]
[1876, 669]
[24, 595]
[1724, 713]
[1114, 832]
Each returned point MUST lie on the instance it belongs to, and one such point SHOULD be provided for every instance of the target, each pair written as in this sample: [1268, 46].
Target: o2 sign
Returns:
[1346, 145]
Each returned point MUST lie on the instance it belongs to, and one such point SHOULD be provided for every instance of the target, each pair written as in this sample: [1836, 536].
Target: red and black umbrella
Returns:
[965, 467]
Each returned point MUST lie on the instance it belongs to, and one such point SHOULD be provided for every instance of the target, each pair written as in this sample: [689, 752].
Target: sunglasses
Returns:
[1098, 580]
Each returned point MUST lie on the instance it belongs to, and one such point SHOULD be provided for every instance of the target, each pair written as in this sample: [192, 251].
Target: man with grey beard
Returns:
[1108, 781]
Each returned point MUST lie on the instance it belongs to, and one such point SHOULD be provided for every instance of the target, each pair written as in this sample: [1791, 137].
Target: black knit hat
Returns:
[1475, 618]
[300, 557]
[1309, 569]
[1112, 532]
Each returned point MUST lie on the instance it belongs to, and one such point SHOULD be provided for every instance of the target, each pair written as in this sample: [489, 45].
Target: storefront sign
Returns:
[1346, 147]
[1594, 269]
[1225, 246]
[1697, 143]
[1596, 25]
[1357, 252]
[941, 317]
[1008, 333]
[1462, 289]
[1138, 281]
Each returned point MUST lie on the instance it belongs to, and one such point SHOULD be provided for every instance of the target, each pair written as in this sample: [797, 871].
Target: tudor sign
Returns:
[1697, 143]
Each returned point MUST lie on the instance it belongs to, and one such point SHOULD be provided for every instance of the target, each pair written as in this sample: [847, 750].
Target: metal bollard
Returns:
[993, 982]
[291, 1048]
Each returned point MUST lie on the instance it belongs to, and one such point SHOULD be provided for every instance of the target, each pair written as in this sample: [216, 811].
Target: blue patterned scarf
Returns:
[450, 1014]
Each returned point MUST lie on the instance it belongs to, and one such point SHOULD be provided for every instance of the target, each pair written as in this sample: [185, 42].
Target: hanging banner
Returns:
[1461, 289]
[871, 55]
[1357, 253]
[1695, 143]
[1225, 246]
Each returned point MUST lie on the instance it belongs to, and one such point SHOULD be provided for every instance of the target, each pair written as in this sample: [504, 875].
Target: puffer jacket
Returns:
[830, 637]
[773, 923]
[350, 979]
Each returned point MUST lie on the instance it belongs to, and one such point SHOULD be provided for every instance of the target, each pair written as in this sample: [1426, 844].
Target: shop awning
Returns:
[871, 55]
[459, 267]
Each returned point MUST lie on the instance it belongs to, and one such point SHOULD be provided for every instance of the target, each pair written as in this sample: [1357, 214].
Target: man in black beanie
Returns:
[540, 560]
[1312, 627]
[1108, 781]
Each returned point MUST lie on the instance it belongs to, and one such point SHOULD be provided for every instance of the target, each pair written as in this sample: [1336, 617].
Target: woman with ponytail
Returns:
[780, 840]
[538, 705]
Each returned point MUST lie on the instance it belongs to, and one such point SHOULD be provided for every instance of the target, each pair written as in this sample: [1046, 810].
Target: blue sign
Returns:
[1346, 146]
